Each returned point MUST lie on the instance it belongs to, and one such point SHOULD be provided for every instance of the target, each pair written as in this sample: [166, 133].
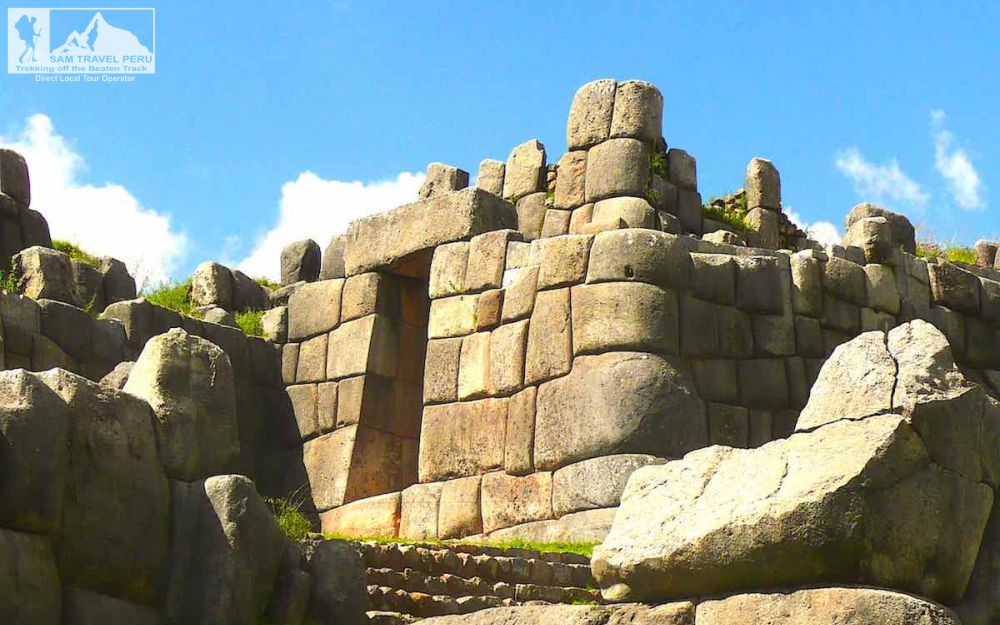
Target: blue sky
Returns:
[270, 121]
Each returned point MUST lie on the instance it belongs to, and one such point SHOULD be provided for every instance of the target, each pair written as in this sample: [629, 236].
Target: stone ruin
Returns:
[754, 427]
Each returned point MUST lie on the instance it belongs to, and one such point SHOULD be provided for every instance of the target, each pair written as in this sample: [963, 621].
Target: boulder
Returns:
[680, 613]
[902, 231]
[525, 170]
[34, 439]
[617, 167]
[248, 294]
[570, 191]
[763, 184]
[825, 606]
[45, 273]
[212, 285]
[590, 114]
[189, 383]
[333, 259]
[83, 607]
[226, 550]
[682, 169]
[638, 111]
[115, 522]
[118, 284]
[338, 594]
[88, 285]
[34, 229]
[442, 178]
[595, 483]
[29, 582]
[301, 260]
[874, 236]
[275, 324]
[630, 403]
[14, 179]
[216, 314]
[118, 376]
[986, 252]
[490, 176]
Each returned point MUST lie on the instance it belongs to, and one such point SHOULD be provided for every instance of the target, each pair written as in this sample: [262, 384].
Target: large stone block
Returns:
[300, 261]
[509, 500]
[21, 318]
[68, 326]
[366, 345]
[506, 358]
[519, 294]
[487, 253]
[332, 265]
[327, 463]
[188, 381]
[29, 582]
[118, 284]
[617, 167]
[448, 267]
[642, 256]
[14, 179]
[441, 370]
[474, 366]
[452, 316]
[525, 170]
[373, 516]
[590, 114]
[34, 228]
[638, 111]
[550, 340]
[115, 517]
[595, 483]
[44, 273]
[520, 439]
[713, 278]
[825, 606]
[33, 453]
[880, 286]
[490, 176]
[631, 403]
[571, 183]
[763, 184]
[312, 360]
[954, 287]
[382, 240]
[419, 511]
[624, 316]
[314, 309]
[87, 285]
[338, 594]
[903, 233]
[226, 550]
[850, 502]
[459, 512]
[442, 178]
[563, 260]
[635, 212]
[759, 284]
[212, 285]
[682, 169]
[457, 440]
[531, 210]
[82, 607]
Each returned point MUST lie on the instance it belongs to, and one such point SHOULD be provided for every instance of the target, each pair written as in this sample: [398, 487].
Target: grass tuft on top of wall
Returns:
[175, 296]
[953, 253]
[251, 322]
[75, 252]
[580, 548]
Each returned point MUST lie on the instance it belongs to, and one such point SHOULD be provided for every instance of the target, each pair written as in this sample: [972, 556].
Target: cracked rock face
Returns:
[870, 490]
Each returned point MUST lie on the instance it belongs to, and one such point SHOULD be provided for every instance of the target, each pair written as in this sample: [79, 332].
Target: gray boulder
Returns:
[118, 284]
[45, 273]
[903, 233]
[212, 285]
[275, 322]
[29, 582]
[301, 260]
[226, 550]
[83, 607]
[14, 179]
[442, 178]
[188, 381]
[118, 376]
[338, 595]
[333, 259]
[247, 293]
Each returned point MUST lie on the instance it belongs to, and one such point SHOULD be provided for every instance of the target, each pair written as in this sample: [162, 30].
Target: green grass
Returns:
[251, 322]
[730, 210]
[8, 279]
[954, 253]
[74, 252]
[580, 548]
[293, 523]
[267, 283]
[174, 296]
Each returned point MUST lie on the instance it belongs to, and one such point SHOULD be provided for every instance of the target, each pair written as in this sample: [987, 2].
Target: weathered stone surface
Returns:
[373, 516]
[118, 284]
[617, 167]
[590, 114]
[275, 324]
[83, 607]
[954, 287]
[682, 169]
[14, 179]
[366, 345]
[550, 342]
[474, 366]
[332, 265]
[442, 178]
[595, 483]
[448, 268]
[216, 314]
[624, 316]
[635, 212]
[563, 260]
[303, 398]
[115, 515]
[487, 253]
[520, 439]
[764, 228]
[825, 606]
[87, 285]
[489, 309]
[34, 436]
[441, 370]
[459, 513]
[212, 285]
[382, 240]
[314, 308]
[519, 295]
[509, 500]
[641, 256]
[29, 582]
[452, 316]
[759, 284]
[844, 280]
[525, 170]
[881, 290]
[874, 236]
[903, 233]
[189, 384]
[838, 504]
[301, 260]
[225, 555]
[713, 278]
[672, 614]
[571, 184]
[632, 403]
[763, 184]
[638, 111]
[587, 526]
[247, 293]
[531, 211]
[338, 594]
[490, 176]
[21, 319]
[419, 511]
[457, 440]
[506, 358]
[44, 273]
[555, 223]
[118, 376]
[68, 326]
[326, 461]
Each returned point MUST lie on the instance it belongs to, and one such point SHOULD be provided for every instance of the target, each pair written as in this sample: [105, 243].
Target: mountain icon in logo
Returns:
[101, 38]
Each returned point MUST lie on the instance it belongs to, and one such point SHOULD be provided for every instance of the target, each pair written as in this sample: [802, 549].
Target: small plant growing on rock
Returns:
[267, 283]
[8, 278]
[175, 296]
[954, 253]
[74, 252]
[293, 523]
[730, 209]
[251, 322]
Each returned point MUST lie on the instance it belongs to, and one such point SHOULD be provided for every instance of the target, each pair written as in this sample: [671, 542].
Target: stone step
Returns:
[513, 570]
[378, 617]
[383, 598]
[475, 549]
[447, 584]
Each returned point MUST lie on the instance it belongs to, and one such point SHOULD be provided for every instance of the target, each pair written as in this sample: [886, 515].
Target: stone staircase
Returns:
[408, 582]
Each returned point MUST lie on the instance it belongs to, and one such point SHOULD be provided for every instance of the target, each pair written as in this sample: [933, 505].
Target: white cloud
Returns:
[880, 183]
[317, 209]
[106, 220]
[822, 231]
[954, 164]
